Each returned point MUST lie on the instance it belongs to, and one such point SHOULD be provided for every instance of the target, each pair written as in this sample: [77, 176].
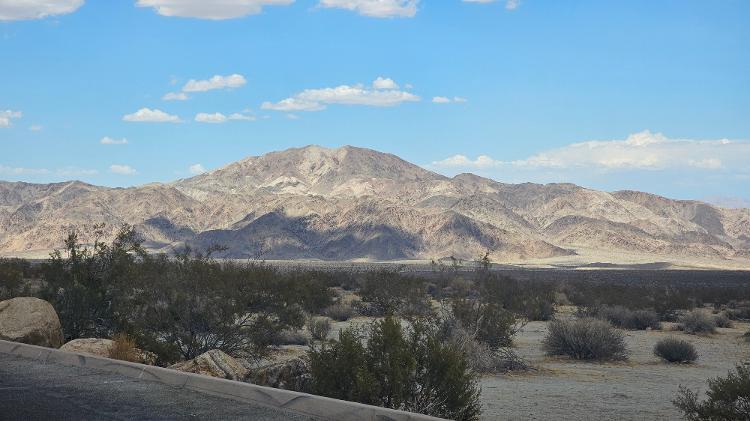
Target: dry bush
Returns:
[629, 319]
[722, 320]
[340, 311]
[124, 348]
[585, 339]
[319, 327]
[675, 350]
[291, 337]
[697, 321]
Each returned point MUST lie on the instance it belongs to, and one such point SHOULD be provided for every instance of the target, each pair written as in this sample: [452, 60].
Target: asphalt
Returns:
[31, 390]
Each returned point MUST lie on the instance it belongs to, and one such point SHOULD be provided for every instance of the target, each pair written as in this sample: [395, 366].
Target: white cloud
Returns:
[4, 170]
[441, 100]
[210, 9]
[75, 172]
[122, 169]
[384, 83]
[36, 127]
[175, 96]
[211, 118]
[216, 82]
[197, 169]
[640, 151]
[147, 115]
[243, 116]
[106, 140]
[460, 99]
[512, 4]
[36, 9]
[375, 8]
[8, 115]
[319, 99]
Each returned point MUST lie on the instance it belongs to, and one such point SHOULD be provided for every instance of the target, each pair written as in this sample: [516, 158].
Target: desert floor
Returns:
[638, 389]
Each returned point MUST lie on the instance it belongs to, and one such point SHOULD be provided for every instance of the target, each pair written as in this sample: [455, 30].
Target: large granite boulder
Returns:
[214, 363]
[291, 374]
[102, 347]
[31, 321]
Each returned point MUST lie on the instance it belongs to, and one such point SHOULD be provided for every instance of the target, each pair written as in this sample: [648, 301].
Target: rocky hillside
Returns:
[353, 203]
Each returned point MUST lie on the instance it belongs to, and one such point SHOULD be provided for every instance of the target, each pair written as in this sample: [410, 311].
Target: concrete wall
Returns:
[302, 403]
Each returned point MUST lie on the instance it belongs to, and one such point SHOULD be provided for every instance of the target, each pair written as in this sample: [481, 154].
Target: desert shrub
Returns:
[531, 300]
[481, 357]
[123, 348]
[340, 311]
[488, 323]
[722, 320]
[412, 370]
[585, 339]
[629, 319]
[697, 321]
[291, 337]
[319, 327]
[392, 293]
[12, 274]
[675, 350]
[727, 398]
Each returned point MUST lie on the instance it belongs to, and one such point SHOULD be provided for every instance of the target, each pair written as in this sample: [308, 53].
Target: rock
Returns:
[101, 347]
[291, 374]
[31, 321]
[214, 363]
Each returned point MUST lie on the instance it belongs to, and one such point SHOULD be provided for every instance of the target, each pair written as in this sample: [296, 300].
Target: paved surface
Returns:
[30, 390]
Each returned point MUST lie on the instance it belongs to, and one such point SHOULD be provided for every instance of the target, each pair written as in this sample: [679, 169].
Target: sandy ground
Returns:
[639, 389]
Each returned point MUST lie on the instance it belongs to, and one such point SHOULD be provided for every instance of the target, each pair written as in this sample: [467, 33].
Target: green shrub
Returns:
[727, 398]
[697, 321]
[319, 327]
[412, 370]
[675, 350]
[585, 339]
[391, 293]
[490, 323]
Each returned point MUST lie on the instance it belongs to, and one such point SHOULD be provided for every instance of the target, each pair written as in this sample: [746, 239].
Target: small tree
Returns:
[728, 398]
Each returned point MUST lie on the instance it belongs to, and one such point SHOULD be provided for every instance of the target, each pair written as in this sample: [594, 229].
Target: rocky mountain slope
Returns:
[353, 203]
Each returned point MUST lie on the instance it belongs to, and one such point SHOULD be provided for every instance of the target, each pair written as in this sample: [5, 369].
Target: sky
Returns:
[643, 95]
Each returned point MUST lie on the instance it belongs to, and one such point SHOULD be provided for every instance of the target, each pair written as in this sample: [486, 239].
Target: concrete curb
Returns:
[301, 403]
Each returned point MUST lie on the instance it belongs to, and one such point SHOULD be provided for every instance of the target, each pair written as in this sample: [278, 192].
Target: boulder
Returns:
[101, 348]
[31, 321]
[214, 363]
[291, 374]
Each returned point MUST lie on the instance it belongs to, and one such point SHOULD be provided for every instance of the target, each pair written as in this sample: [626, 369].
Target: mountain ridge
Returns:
[355, 203]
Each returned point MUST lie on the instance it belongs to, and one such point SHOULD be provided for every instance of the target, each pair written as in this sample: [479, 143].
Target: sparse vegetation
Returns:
[340, 311]
[123, 348]
[722, 320]
[585, 339]
[675, 350]
[625, 318]
[697, 321]
[727, 398]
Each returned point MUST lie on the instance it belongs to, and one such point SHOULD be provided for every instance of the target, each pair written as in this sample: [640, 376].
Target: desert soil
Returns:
[639, 389]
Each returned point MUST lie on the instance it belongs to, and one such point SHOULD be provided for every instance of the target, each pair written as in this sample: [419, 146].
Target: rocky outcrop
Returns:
[31, 321]
[101, 348]
[214, 363]
[291, 374]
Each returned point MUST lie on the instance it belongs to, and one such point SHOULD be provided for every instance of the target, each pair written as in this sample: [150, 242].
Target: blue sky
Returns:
[646, 95]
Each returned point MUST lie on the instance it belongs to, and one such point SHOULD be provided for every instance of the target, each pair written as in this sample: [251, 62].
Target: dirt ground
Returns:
[638, 389]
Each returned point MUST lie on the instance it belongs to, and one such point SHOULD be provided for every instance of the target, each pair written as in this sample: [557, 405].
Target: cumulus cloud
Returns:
[512, 4]
[106, 140]
[8, 115]
[210, 9]
[36, 9]
[197, 169]
[147, 115]
[384, 83]
[441, 100]
[216, 82]
[214, 118]
[175, 96]
[319, 99]
[122, 169]
[640, 151]
[243, 116]
[375, 8]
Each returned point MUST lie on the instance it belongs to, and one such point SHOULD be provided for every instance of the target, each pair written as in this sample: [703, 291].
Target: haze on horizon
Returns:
[617, 95]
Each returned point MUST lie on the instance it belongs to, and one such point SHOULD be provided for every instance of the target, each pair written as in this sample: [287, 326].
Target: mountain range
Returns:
[353, 203]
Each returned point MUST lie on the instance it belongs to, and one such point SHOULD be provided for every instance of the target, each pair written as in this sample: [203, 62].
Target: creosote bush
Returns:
[585, 339]
[722, 320]
[675, 350]
[626, 318]
[402, 368]
[697, 321]
[727, 398]
[340, 311]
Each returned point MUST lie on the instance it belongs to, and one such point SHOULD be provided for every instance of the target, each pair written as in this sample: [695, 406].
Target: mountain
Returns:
[354, 203]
